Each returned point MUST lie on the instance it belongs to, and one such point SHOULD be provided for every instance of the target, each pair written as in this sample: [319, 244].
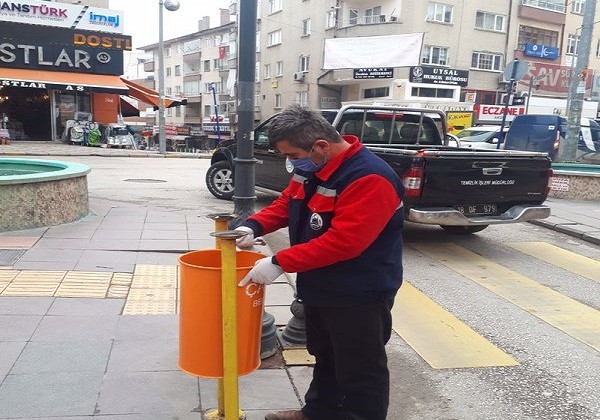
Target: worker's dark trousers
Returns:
[351, 377]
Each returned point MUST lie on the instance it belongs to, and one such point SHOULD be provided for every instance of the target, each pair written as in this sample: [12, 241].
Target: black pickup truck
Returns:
[462, 190]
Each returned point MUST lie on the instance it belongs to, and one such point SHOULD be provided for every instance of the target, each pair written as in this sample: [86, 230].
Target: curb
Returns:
[577, 230]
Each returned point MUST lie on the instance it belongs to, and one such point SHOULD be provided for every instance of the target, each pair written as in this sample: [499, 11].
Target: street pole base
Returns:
[213, 414]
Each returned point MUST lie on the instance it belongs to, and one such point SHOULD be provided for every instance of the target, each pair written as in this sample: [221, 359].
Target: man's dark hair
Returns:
[301, 127]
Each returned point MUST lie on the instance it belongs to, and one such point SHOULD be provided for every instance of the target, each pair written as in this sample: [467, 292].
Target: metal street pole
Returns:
[170, 5]
[567, 151]
[531, 80]
[244, 195]
[162, 137]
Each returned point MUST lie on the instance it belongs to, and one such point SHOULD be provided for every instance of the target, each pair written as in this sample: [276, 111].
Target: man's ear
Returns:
[322, 145]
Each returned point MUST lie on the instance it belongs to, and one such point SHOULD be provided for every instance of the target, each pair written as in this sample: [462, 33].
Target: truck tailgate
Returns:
[478, 180]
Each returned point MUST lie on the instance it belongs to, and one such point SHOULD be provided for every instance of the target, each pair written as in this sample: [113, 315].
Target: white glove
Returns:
[246, 241]
[263, 272]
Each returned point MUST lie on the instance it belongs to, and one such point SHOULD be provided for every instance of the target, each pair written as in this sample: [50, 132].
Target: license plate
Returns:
[478, 209]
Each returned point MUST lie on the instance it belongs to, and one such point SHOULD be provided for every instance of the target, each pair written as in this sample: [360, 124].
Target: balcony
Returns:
[192, 56]
[546, 5]
[191, 76]
[367, 26]
[543, 11]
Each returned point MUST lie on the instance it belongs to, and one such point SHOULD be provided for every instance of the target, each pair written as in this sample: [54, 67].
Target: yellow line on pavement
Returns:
[570, 261]
[568, 315]
[440, 338]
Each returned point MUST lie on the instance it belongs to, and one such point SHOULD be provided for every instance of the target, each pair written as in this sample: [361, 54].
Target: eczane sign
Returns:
[495, 112]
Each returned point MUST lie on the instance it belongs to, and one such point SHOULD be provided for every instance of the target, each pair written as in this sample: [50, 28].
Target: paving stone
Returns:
[9, 353]
[301, 378]
[264, 389]
[76, 327]
[86, 306]
[49, 394]
[140, 327]
[71, 356]
[144, 355]
[25, 305]
[18, 327]
[148, 392]
[279, 294]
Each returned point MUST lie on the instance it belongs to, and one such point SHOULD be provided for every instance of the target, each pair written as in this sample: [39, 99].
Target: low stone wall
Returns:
[575, 185]
[46, 203]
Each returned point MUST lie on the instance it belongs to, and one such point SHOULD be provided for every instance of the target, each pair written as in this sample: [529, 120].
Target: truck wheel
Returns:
[463, 230]
[219, 180]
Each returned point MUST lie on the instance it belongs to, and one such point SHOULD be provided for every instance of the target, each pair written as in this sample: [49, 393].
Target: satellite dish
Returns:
[171, 5]
[520, 70]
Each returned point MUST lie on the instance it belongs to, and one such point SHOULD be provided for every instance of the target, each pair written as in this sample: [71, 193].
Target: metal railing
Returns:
[548, 5]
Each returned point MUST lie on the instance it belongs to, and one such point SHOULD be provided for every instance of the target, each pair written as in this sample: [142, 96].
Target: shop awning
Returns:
[127, 109]
[150, 96]
[58, 80]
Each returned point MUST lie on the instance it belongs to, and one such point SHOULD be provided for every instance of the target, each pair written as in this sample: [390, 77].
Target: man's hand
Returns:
[263, 272]
[246, 241]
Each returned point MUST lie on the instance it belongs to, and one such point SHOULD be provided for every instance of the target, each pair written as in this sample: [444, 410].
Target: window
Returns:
[306, 27]
[257, 41]
[486, 61]
[206, 65]
[267, 71]
[577, 6]
[302, 98]
[177, 70]
[274, 38]
[279, 68]
[598, 49]
[376, 92]
[257, 72]
[554, 5]
[331, 19]
[168, 52]
[432, 92]
[278, 100]
[275, 6]
[435, 55]
[373, 15]
[207, 111]
[573, 44]
[438, 12]
[303, 64]
[177, 90]
[178, 111]
[169, 91]
[353, 16]
[191, 88]
[536, 36]
[168, 71]
[489, 21]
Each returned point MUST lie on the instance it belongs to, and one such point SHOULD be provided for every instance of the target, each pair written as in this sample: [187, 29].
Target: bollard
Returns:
[221, 224]
[229, 305]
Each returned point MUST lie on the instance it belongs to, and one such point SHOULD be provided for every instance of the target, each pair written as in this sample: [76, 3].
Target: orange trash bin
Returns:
[200, 314]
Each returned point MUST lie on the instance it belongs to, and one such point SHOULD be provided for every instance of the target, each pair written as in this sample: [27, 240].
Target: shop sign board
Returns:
[438, 75]
[69, 87]
[540, 51]
[496, 112]
[60, 49]
[374, 73]
[62, 15]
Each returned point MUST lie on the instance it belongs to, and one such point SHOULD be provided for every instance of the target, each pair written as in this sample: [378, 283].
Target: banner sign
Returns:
[541, 51]
[62, 15]
[372, 51]
[552, 78]
[374, 73]
[438, 76]
[60, 49]
[68, 87]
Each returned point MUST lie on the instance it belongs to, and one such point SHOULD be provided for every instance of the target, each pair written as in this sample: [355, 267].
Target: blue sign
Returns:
[541, 51]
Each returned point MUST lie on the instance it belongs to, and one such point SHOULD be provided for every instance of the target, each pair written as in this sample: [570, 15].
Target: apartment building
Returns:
[197, 69]
[470, 39]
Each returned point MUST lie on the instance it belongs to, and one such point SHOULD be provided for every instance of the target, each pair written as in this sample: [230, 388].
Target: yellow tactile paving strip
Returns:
[150, 290]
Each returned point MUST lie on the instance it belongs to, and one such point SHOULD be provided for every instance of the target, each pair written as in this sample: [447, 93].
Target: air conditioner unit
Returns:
[299, 76]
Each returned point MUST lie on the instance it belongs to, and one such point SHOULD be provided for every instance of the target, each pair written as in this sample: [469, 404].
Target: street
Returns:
[503, 324]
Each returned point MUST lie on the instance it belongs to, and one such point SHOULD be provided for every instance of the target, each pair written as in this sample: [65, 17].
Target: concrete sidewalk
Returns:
[88, 313]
